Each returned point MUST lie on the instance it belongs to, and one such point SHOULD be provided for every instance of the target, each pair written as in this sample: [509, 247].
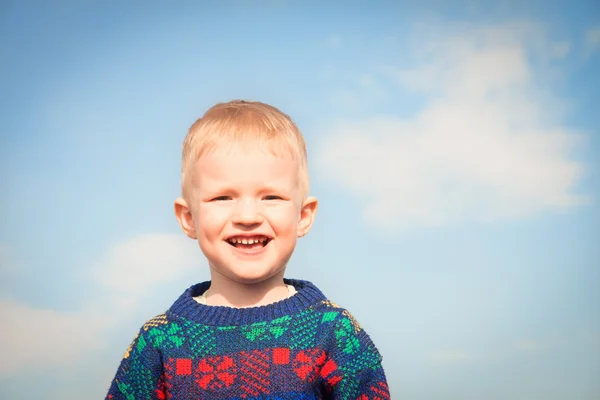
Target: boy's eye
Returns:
[272, 197]
[221, 198]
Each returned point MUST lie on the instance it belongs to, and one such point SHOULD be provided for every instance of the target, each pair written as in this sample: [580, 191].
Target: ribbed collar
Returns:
[190, 309]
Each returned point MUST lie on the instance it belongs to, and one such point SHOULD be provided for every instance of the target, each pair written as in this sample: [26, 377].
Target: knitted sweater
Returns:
[303, 347]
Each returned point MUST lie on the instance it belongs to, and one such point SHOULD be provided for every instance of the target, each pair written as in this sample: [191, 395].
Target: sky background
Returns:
[454, 148]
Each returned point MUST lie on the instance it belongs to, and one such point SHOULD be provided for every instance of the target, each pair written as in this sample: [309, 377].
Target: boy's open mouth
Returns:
[252, 242]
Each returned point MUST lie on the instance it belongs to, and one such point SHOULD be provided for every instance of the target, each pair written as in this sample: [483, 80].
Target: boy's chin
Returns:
[260, 279]
[255, 277]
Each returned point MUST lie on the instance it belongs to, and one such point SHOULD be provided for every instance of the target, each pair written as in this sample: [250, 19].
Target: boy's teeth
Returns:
[248, 241]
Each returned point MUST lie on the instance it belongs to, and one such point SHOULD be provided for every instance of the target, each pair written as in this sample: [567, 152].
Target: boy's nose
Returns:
[247, 213]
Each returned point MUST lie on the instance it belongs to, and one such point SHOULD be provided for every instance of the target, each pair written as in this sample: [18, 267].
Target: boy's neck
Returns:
[226, 292]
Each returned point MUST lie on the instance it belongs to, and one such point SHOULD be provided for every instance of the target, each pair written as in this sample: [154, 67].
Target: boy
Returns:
[248, 332]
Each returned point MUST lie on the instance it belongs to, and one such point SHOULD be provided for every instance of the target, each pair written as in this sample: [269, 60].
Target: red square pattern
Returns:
[281, 356]
[183, 366]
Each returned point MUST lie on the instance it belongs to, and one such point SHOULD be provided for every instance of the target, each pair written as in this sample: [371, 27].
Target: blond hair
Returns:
[240, 121]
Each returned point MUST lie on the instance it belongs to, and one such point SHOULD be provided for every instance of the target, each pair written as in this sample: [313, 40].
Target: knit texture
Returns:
[303, 347]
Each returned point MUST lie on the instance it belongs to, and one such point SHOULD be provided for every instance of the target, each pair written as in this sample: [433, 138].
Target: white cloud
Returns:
[560, 49]
[544, 343]
[589, 340]
[333, 41]
[8, 266]
[528, 345]
[592, 37]
[45, 338]
[444, 357]
[487, 146]
[592, 40]
[365, 91]
[34, 337]
[132, 268]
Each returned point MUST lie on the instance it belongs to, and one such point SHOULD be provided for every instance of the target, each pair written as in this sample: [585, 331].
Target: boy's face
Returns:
[246, 210]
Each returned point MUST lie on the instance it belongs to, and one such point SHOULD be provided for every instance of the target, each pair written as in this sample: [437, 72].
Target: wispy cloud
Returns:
[131, 269]
[365, 90]
[444, 357]
[528, 345]
[488, 144]
[8, 266]
[45, 338]
[592, 40]
[560, 49]
[589, 340]
[120, 282]
[333, 41]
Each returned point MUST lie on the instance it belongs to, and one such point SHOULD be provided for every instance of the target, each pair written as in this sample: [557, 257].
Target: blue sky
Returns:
[453, 147]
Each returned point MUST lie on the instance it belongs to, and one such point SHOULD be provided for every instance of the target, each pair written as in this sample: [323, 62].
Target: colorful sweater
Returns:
[303, 347]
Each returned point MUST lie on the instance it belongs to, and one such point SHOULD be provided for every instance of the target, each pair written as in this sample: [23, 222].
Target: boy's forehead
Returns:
[235, 164]
[253, 147]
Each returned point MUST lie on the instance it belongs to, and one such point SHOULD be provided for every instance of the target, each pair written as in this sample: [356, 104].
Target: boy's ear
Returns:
[307, 215]
[184, 216]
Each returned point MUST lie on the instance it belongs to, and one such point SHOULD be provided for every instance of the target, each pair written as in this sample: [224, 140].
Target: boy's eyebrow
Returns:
[217, 189]
[271, 188]
[230, 189]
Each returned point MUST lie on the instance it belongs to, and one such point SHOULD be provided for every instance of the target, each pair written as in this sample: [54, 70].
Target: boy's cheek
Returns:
[213, 212]
[212, 222]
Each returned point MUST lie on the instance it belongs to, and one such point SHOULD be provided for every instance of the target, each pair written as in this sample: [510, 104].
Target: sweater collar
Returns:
[185, 306]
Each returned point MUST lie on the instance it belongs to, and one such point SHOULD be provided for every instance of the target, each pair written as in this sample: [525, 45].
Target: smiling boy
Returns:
[248, 332]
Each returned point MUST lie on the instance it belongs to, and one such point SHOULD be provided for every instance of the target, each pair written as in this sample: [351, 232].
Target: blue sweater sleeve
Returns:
[140, 374]
[354, 369]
